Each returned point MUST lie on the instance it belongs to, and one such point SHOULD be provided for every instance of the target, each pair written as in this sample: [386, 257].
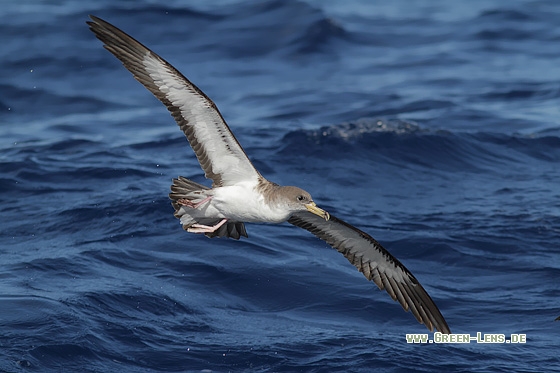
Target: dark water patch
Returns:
[317, 36]
[296, 28]
[30, 102]
[499, 15]
[97, 173]
[60, 267]
[130, 307]
[56, 355]
[498, 28]
[504, 34]
[164, 143]
[69, 146]
[109, 221]
[545, 148]
[523, 91]
[145, 13]
[36, 323]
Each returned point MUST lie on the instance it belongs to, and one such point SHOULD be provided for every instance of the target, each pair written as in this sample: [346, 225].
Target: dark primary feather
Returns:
[377, 264]
[132, 54]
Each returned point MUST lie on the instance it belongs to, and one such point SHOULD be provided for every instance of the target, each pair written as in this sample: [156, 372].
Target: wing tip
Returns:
[407, 291]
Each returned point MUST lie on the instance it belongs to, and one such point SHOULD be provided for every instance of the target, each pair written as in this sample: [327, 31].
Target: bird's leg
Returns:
[186, 202]
[201, 228]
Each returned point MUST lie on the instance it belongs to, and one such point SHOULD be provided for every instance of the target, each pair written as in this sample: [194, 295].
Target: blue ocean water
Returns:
[432, 125]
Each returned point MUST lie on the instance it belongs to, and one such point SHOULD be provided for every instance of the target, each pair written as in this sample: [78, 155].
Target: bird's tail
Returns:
[183, 188]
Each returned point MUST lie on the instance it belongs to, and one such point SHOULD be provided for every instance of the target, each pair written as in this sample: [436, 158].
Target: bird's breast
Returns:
[244, 203]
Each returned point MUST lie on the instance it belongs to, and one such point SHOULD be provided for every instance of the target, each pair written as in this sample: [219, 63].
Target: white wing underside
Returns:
[219, 153]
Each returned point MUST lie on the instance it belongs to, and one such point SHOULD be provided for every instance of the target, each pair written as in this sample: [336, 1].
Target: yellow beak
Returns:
[312, 207]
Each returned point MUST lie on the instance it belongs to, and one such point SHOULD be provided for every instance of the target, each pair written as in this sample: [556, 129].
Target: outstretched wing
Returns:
[220, 155]
[377, 264]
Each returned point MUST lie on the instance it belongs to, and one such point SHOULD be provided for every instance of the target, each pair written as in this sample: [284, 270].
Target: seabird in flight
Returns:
[240, 194]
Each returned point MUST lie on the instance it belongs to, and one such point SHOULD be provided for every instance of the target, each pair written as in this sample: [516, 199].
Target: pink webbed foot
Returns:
[201, 228]
[186, 202]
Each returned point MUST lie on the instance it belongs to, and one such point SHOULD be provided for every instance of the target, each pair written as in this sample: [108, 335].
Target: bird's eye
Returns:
[300, 198]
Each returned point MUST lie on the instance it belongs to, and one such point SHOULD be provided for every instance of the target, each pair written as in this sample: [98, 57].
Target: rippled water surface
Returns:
[432, 125]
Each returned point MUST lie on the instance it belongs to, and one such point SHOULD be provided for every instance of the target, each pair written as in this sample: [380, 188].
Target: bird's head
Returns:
[298, 199]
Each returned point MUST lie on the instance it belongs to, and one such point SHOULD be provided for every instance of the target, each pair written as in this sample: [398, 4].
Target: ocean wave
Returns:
[412, 144]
